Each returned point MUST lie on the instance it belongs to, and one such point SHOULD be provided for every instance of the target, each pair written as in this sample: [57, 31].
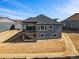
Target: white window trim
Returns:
[40, 28]
[56, 34]
[43, 34]
[49, 27]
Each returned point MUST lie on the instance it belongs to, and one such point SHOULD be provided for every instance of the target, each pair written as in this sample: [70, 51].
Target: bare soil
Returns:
[41, 46]
[74, 35]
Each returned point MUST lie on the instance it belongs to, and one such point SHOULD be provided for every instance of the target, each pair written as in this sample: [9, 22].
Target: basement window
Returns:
[42, 35]
[55, 35]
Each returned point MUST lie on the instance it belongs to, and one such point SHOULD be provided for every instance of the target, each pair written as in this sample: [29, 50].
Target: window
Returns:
[42, 27]
[42, 35]
[45, 27]
[50, 27]
[55, 35]
[30, 27]
[38, 27]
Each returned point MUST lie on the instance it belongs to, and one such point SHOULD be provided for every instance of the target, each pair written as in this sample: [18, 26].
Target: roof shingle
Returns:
[42, 19]
[74, 17]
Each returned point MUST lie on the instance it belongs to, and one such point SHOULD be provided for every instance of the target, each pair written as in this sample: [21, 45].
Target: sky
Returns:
[23, 9]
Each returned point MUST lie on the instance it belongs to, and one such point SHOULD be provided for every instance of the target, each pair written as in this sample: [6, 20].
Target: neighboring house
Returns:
[72, 22]
[6, 23]
[42, 27]
[17, 21]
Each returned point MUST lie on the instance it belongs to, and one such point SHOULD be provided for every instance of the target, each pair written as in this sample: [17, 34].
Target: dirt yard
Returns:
[48, 46]
[7, 34]
[74, 35]
[41, 46]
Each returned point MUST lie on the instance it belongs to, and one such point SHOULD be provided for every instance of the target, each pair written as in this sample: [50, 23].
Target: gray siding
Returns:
[42, 20]
[67, 24]
[74, 24]
[49, 33]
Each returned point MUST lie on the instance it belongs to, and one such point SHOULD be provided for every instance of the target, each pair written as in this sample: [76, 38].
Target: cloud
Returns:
[12, 12]
[7, 10]
[68, 9]
[20, 5]
[27, 7]
[12, 16]
[72, 7]
[15, 14]
[22, 10]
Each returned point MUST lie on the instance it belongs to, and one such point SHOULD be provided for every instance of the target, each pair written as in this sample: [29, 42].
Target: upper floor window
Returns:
[42, 27]
[30, 27]
[38, 27]
[51, 27]
[46, 28]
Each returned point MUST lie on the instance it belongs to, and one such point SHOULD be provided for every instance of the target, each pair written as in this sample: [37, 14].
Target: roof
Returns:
[6, 23]
[74, 17]
[41, 19]
[17, 21]
[5, 19]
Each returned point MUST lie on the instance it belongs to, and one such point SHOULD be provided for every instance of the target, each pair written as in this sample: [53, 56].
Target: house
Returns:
[72, 22]
[7, 23]
[42, 27]
[17, 21]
